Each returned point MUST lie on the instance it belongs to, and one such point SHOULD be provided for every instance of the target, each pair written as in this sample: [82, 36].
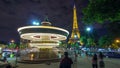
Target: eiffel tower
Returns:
[75, 36]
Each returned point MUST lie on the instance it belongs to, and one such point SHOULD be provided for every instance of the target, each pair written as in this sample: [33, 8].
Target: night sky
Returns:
[18, 13]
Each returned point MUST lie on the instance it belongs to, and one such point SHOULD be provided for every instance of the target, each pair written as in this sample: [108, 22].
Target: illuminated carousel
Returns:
[44, 38]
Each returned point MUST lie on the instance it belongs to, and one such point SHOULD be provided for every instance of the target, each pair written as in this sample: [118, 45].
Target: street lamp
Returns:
[88, 29]
[12, 41]
[35, 23]
[117, 41]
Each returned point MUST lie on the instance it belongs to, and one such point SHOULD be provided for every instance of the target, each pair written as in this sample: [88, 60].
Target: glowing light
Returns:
[44, 45]
[36, 23]
[75, 36]
[31, 56]
[117, 41]
[30, 36]
[49, 27]
[11, 55]
[43, 40]
[88, 28]
[12, 41]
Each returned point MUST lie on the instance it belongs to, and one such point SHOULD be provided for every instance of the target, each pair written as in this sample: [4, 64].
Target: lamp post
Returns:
[117, 42]
[88, 29]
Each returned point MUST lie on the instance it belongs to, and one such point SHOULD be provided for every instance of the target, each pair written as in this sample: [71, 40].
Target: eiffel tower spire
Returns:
[75, 35]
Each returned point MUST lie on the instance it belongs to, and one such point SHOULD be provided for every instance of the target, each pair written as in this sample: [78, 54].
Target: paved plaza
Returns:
[81, 63]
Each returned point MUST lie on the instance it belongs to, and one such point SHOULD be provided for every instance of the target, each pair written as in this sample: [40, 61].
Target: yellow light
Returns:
[117, 41]
[81, 43]
[31, 56]
[50, 27]
[43, 45]
[30, 36]
[12, 41]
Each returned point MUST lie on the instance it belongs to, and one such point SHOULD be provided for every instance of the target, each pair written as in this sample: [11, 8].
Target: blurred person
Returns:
[101, 62]
[66, 62]
[86, 53]
[94, 61]
[75, 56]
[9, 65]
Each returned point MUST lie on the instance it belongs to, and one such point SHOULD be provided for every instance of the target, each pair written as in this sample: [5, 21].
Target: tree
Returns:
[23, 46]
[83, 39]
[105, 41]
[12, 45]
[114, 46]
[101, 11]
[90, 42]
[63, 44]
[113, 28]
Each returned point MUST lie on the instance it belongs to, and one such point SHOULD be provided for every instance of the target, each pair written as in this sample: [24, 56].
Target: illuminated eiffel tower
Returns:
[75, 36]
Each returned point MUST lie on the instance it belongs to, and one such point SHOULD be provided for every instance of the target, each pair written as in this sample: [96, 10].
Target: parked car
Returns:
[112, 54]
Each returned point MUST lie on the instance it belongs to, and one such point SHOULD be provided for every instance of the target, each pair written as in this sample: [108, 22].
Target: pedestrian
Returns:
[8, 65]
[75, 56]
[94, 61]
[86, 53]
[5, 59]
[101, 61]
[66, 62]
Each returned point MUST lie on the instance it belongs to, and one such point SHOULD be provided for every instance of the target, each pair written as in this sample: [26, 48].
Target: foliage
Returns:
[101, 11]
[105, 41]
[114, 46]
[87, 41]
[90, 42]
[12, 45]
[113, 28]
[83, 39]
[62, 43]
[22, 46]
